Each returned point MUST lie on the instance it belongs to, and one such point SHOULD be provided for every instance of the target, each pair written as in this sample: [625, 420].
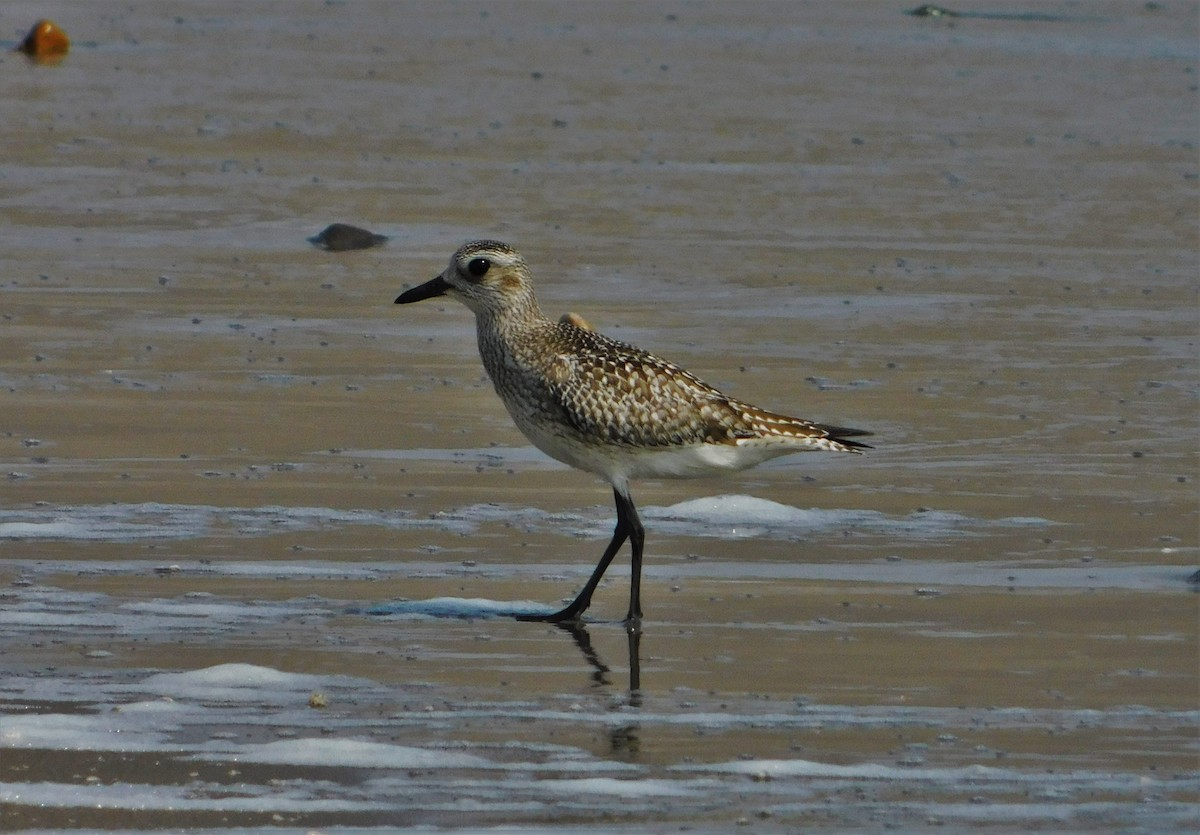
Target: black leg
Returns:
[637, 535]
[634, 631]
[629, 526]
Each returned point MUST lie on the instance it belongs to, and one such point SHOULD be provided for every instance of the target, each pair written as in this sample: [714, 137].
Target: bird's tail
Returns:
[841, 435]
[770, 428]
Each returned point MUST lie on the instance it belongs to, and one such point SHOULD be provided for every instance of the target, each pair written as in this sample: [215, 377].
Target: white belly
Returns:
[618, 464]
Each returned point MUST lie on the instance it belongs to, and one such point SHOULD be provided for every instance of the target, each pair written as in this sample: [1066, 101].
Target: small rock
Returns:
[45, 43]
[340, 237]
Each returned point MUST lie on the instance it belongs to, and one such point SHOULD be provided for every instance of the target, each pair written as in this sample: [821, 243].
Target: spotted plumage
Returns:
[607, 407]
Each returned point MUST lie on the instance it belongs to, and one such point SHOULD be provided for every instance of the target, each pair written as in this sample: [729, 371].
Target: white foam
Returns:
[218, 611]
[43, 530]
[250, 798]
[740, 516]
[59, 732]
[739, 509]
[865, 771]
[347, 753]
[619, 787]
[457, 607]
[231, 682]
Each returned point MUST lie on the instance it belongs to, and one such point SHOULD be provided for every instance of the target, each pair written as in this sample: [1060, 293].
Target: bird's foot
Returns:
[633, 620]
[569, 615]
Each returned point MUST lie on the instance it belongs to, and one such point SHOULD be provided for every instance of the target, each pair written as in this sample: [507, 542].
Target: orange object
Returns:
[46, 43]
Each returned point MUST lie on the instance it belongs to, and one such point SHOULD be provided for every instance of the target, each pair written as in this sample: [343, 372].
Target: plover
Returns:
[606, 407]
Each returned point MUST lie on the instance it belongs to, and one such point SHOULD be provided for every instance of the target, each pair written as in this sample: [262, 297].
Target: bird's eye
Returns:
[478, 267]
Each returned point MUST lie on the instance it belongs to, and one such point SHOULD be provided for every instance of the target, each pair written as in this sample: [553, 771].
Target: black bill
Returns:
[428, 290]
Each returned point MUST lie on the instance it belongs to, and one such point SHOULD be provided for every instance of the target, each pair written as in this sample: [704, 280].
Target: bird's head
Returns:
[487, 276]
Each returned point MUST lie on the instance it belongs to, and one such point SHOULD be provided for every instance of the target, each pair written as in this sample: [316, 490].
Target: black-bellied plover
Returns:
[607, 407]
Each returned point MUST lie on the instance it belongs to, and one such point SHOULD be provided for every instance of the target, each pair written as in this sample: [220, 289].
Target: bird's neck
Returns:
[519, 315]
[504, 335]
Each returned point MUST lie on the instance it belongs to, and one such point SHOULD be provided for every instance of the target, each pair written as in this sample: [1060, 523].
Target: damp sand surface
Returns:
[262, 532]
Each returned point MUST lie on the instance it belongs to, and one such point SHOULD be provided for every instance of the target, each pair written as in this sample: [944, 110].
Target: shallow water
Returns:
[260, 529]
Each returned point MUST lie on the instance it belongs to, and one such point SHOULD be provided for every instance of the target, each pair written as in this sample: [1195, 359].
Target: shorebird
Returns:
[606, 407]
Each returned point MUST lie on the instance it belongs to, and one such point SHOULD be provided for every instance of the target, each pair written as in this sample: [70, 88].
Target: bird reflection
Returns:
[623, 739]
[600, 671]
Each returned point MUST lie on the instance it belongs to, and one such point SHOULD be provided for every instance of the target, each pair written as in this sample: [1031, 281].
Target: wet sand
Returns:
[223, 446]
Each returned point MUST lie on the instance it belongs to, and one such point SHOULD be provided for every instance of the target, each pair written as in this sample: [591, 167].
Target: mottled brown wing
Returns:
[618, 393]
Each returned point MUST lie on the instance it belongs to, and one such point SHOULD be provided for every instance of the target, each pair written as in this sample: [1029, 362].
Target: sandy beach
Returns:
[260, 528]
